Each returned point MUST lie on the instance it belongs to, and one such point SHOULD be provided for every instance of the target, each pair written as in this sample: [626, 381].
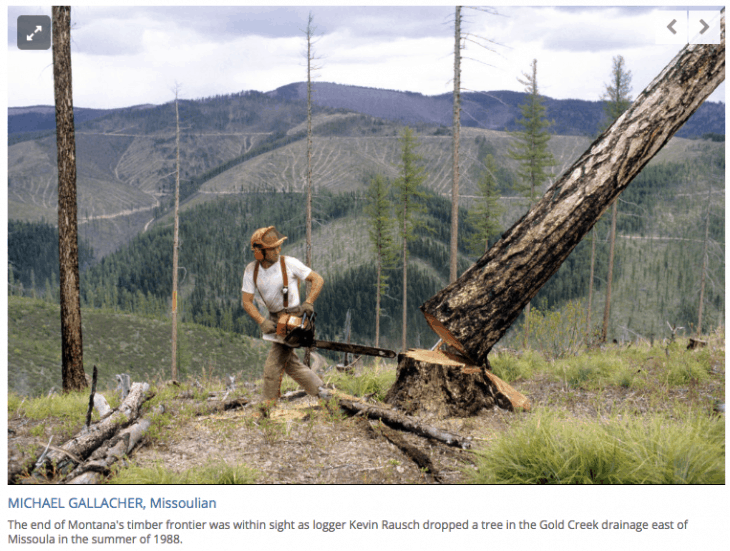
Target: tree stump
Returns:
[447, 385]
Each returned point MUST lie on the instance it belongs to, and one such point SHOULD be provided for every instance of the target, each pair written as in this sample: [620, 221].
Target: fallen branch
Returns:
[420, 458]
[397, 420]
[104, 457]
[215, 407]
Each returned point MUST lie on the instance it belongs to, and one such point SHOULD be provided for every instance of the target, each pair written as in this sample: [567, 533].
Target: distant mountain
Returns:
[489, 110]
[253, 141]
[43, 117]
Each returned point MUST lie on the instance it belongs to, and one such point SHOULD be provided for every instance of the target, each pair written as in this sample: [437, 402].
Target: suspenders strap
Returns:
[285, 290]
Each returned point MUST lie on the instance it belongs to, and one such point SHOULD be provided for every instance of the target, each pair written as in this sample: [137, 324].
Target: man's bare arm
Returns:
[250, 307]
[317, 282]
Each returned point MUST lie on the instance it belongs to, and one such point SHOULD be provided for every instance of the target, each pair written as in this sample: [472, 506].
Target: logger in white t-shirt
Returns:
[265, 274]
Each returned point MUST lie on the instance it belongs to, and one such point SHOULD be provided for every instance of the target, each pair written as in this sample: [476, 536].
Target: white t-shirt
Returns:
[269, 283]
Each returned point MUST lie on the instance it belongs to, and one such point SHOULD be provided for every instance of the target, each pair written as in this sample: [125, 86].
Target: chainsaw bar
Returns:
[354, 348]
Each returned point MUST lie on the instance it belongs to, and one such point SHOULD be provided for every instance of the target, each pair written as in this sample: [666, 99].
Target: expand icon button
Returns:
[34, 32]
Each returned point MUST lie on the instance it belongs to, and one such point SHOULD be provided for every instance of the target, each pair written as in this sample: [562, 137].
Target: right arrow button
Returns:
[704, 27]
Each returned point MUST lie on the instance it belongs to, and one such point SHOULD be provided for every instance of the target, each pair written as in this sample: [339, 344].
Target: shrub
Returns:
[558, 333]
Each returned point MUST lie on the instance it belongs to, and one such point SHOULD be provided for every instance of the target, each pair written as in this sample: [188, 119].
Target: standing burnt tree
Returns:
[72, 367]
[475, 311]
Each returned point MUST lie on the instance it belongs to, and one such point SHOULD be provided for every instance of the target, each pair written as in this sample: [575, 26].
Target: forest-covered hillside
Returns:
[661, 236]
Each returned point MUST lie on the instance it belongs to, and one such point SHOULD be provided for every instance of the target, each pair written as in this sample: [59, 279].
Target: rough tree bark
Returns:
[72, 363]
[474, 312]
[443, 383]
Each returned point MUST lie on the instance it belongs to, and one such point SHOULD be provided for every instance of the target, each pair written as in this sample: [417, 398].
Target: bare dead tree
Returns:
[309, 34]
[176, 237]
[705, 262]
[72, 363]
[454, 245]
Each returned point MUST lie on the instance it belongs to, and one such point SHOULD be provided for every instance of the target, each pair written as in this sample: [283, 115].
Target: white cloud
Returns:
[128, 56]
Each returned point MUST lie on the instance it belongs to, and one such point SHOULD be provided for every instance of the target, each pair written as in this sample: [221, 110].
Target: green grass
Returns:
[374, 380]
[655, 449]
[673, 366]
[211, 473]
[71, 406]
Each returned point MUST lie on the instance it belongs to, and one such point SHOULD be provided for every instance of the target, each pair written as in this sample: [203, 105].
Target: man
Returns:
[265, 275]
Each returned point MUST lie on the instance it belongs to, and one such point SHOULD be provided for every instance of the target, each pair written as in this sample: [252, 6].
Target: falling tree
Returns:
[531, 151]
[475, 311]
[72, 364]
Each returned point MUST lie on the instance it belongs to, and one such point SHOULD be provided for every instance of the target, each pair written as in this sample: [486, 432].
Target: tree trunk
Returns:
[475, 311]
[705, 262]
[175, 242]
[377, 305]
[404, 338]
[609, 280]
[589, 331]
[444, 384]
[454, 245]
[72, 363]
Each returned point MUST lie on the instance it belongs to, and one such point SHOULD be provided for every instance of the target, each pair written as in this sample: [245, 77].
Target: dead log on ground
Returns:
[216, 407]
[397, 420]
[419, 457]
[476, 310]
[62, 460]
[105, 456]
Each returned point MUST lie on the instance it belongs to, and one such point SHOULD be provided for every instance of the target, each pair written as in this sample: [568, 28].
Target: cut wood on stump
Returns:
[444, 384]
[475, 311]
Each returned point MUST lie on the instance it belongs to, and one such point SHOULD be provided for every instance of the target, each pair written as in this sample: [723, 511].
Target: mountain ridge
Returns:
[491, 110]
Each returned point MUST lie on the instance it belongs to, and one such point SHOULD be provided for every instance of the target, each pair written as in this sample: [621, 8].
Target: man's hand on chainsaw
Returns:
[268, 326]
[307, 308]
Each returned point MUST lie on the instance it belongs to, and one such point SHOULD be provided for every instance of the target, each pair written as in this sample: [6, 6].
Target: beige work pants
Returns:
[283, 359]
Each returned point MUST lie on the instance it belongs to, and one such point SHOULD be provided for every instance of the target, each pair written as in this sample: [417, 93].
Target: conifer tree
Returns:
[531, 151]
[408, 188]
[486, 211]
[617, 100]
[382, 225]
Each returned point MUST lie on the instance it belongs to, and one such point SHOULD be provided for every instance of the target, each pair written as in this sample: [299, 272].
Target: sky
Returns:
[123, 56]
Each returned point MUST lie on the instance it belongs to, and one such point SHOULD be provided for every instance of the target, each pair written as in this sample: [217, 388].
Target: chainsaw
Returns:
[298, 332]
